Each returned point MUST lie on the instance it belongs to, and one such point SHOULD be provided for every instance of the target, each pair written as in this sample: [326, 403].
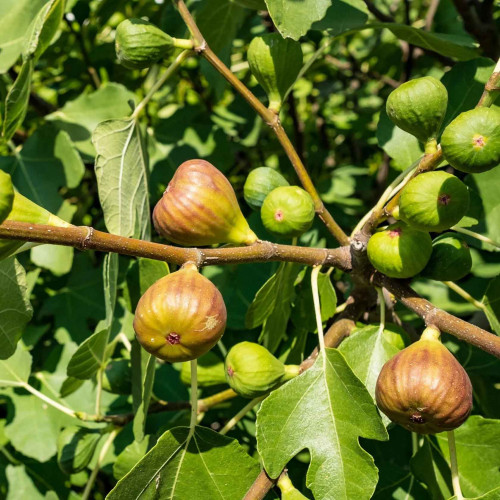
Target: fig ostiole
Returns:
[259, 183]
[199, 207]
[418, 107]
[399, 251]
[450, 259]
[275, 62]
[433, 201]
[252, 371]
[424, 388]
[139, 44]
[287, 211]
[471, 142]
[6, 195]
[181, 316]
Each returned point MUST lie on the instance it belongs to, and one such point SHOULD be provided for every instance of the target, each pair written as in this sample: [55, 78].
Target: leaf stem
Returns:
[477, 236]
[231, 423]
[48, 400]
[97, 467]
[98, 395]
[163, 78]
[465, 295]
[194, 398]
[317, 309]
[381, 300]
[455, 479]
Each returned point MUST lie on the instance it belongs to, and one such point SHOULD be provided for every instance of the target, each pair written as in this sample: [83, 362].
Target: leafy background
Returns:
[66, 315]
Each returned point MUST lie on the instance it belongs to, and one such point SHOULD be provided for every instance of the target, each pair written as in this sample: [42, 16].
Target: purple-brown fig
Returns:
[199, 207]
[424, 388]
[181, 316]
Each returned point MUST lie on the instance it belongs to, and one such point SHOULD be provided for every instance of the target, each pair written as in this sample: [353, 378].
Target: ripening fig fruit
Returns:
[181, 316]
[471, 142]
[252, 371]
[424, 388]
[399, 251]
[139, 44]
[287, 211]
[450, 259]
[199, 207]
[418, 107]
[275, 62]
[433, 201]
[6, 195]
[260, 182]
[210, 371]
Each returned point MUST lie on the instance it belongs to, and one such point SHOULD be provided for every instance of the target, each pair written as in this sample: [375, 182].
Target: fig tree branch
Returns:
[269, 117]
[87, 238]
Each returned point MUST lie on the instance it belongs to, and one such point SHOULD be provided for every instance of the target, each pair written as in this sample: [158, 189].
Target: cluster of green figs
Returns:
[434, 201]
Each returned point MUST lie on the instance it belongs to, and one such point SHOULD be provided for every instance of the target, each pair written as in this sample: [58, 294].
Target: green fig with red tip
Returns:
[399, 251]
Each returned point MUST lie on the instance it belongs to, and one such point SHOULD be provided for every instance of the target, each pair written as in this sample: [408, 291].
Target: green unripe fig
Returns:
[287, 211]
[418, 107]
[210, 371]
[199, 207]
[139, 44]
[6, 195]
[260, 182]
[424, 388]
[252, 371]
[181, 316]
[399, 251]
[288, 490]
[275, 62]
[471, 142]
[117, 377]
[433, 201]
[450, 259]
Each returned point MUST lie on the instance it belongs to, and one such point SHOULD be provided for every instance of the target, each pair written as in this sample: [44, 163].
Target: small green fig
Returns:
[450, 259]
[199, 207]
[275, 62]
[418, 107]
[471, 142]
[287, 211]
[210, 371]
[433, 201]
[399, 251]
[117, 377]
[140, 44]
[424, 388]
[6, 195]
[252, 371]
[260, 182]
[181, 316]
